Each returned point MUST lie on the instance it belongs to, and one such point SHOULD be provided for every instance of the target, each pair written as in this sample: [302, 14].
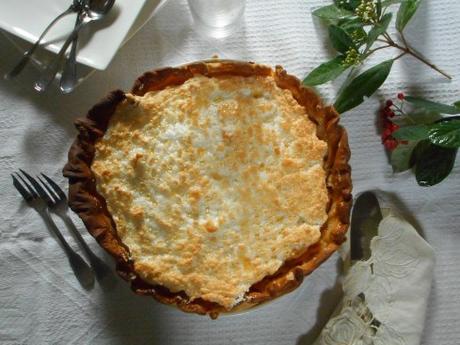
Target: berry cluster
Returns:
[389, 127]
[353, 58]
[358, 36]
[367, 11]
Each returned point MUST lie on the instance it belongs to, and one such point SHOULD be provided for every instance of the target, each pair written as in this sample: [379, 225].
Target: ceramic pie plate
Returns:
[86, 199]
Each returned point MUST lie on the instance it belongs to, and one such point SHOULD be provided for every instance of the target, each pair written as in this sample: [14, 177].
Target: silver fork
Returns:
[59, 206]
[74, 7]
[69, 72]
[37, 198]
[95, 10]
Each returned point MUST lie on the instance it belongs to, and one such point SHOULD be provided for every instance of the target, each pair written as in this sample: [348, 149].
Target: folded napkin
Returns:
[385, 298]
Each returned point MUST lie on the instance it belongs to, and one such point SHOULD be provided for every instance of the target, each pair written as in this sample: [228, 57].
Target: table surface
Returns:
[40, 299]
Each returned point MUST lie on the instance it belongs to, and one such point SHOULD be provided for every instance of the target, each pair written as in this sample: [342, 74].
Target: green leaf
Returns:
[419, 117]
[427, 117]
[363, 85]
[446, 134]
[401, 157]
[433, 106]
[354, 26]
[326, 71]
[350, 24]
[386, 3]
[379, 8]
[340, 40]
[405, 13]
[378, 30]
[347, 4]
[332, 12]
[415, 132]
[432, 163]
[457, 104]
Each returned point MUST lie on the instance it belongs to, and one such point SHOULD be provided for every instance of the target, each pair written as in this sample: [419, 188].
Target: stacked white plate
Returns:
[25, 20]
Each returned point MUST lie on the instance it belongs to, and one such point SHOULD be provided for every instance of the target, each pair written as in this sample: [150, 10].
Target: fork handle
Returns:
[50, 222]
[79, 266]
[69, 73]
[47, 76]
[26, 57]
[70, 225]
[100, 267]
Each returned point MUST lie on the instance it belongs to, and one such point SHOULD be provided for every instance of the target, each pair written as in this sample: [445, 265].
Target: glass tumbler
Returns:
[216, 18]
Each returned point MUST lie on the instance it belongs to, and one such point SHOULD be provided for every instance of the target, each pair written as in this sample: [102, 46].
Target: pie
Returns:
[216, 186]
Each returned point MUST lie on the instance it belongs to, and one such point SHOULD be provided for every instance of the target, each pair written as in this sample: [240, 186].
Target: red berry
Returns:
[387, 112]
[393, 127]
[389, 103]
[386, 133]
[390, 144]
[401, 96]
[394, 145]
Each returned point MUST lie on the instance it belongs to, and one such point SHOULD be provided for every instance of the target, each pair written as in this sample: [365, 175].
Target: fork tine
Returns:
[38, 188]
[25, 194]
[29, 188]
[55, 187]
[48, 189]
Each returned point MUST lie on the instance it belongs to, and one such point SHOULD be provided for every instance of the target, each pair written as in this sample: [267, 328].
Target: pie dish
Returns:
[216, 186]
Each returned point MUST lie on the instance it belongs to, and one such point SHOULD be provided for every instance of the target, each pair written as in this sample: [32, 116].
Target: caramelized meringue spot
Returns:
[136, 159]
[195, 193]
[210, 227]
[106, 173]
[137, 212]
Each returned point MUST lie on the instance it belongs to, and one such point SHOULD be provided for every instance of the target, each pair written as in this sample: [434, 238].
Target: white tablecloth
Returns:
[41, 301]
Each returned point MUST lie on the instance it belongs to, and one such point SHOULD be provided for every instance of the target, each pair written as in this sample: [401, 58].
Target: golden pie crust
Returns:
[84, 171]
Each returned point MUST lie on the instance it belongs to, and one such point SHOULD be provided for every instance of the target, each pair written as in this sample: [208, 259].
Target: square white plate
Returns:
[98, 43]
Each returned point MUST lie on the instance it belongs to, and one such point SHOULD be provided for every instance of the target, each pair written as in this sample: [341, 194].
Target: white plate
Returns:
[98, 43]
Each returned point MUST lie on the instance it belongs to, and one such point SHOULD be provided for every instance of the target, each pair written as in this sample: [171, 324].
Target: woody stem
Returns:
[407, 50]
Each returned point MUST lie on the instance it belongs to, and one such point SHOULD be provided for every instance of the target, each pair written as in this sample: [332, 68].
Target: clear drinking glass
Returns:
[216, 18]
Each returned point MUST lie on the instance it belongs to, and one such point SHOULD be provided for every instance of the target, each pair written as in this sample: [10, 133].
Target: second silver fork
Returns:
[59, 205]
[36, 197]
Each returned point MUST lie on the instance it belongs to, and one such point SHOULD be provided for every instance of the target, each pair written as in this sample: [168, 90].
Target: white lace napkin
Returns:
[385, 297]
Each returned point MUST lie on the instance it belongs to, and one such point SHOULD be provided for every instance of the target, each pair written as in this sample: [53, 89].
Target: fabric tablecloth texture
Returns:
[41, 301]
